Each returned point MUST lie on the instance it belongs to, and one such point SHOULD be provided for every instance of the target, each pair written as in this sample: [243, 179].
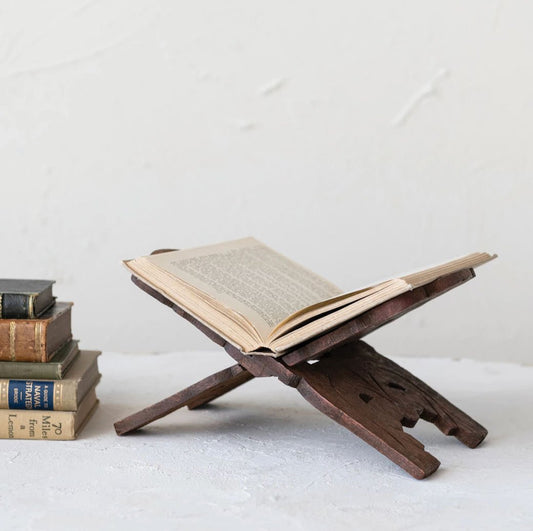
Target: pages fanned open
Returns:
[262, 302]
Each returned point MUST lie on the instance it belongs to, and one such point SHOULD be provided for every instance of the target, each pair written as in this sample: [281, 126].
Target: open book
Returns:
[262, 302]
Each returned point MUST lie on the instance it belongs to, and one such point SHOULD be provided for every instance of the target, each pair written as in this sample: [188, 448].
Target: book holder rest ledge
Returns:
[351, 383]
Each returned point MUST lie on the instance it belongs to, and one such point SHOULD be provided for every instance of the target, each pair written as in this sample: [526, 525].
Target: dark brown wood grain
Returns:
[193, 396]
[374, 397]
[261, 366]
[351, 383]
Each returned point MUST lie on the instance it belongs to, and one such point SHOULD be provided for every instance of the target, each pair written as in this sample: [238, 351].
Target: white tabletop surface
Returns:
[262, 458]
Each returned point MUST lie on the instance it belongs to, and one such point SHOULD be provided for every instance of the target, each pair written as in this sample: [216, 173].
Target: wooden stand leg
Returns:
[193, 396]
[219, 390]
[374, 397]
[354, 385]
[351, 383]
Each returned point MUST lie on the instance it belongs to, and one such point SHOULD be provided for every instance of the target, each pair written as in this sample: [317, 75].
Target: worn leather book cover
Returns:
[24, 298]
[36, 339]
[56, 395]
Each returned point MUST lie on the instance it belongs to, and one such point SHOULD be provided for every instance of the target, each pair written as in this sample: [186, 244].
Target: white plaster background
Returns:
[360, 138]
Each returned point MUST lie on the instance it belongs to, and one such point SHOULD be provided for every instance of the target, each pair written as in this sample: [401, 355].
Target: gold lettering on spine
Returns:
[12, 328]
[38, 333]
[58, 395]
[4, 401]
[31, 301]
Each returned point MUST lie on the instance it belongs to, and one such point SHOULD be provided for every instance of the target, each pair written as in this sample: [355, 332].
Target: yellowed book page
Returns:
[387, 291]
[416, 279]
[323, 307]
[249, 278]
[425, 276]
[230, 325]
[327, 322]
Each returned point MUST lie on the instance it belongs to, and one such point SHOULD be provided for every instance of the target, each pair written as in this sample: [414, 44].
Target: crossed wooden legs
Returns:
[354, 385]
[374, 397]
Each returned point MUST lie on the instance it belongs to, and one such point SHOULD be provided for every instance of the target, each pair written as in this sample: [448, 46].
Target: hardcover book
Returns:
[262, 302]
[57, 395]
[55, 369]
[47, 425]
[35, 339]
[24, 298]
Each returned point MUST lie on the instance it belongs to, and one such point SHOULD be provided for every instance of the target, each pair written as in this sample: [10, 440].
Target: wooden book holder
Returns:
[354, 385]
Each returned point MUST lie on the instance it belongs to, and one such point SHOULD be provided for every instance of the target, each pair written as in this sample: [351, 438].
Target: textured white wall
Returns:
[360, 138]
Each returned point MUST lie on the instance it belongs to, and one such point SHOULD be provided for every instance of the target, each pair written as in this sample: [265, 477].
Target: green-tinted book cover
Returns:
[51, 370]
[57, 395]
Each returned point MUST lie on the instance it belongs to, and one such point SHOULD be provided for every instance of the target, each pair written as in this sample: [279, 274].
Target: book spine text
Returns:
[18, 424]
[38, 394]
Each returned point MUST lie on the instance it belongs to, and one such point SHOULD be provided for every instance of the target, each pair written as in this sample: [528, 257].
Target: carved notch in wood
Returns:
[374, 397]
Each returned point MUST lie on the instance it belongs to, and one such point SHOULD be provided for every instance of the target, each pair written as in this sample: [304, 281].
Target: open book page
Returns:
[372, 297]
[425, 276]
[323, 307]
[412, 281]
[255, 297]
[230, 325]
[248, 278]
[326, 322]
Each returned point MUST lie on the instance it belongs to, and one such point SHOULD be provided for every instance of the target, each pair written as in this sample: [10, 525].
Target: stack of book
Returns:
[47, 385]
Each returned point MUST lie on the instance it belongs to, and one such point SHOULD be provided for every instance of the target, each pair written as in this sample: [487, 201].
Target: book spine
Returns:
[23, 340]
[17, 306]
[38, 394]
[34, 339]
[20, 424]
[51, 370]
[21, 370]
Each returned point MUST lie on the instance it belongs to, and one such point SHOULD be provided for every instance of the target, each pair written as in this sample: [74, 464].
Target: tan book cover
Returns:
[46, 425]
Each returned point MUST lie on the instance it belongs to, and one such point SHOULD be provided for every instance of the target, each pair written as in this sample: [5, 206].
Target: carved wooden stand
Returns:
[351, 383]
